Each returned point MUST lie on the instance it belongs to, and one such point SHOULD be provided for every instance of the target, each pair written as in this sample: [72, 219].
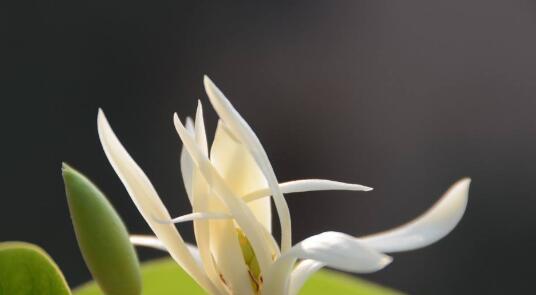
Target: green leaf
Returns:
[160, 277]
[102, 236]
[26, 269]
[165, 277]
[331, 282]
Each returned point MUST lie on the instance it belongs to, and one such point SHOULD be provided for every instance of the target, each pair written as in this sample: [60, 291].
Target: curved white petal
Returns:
[303, 270]
[240, 171]
[202, 201]
[147, 201]
[430, 227]
[155, 243]
[237, 207]
[187, 166]
[333, 249]
[245, 134]
[195, 217]
[340, 251]
[306, 185]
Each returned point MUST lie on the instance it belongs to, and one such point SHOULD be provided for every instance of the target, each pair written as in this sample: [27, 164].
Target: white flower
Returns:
[229, 188]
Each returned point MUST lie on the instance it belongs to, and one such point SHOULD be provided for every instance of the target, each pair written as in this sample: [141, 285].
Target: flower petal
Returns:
[306, 185]
[430, 227]
[201, 201]
[240, 171]
[303, 270]
[187, 166]
[340, 251]
[147, 201]
[237, 208]
[245, 134]
[200, 133]
[195, 216]
[333, 249]
[155, 243]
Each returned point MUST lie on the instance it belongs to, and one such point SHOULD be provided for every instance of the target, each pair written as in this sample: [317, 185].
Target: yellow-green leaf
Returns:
[26, 269]
[331, 282]
[165, 277]
[160, 277]
[102, 236]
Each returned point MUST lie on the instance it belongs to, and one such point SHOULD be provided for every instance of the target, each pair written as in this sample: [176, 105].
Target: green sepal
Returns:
[25, 269]
[102, 237]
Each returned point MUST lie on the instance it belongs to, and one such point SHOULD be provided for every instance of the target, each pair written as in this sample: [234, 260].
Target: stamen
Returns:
[251, 261]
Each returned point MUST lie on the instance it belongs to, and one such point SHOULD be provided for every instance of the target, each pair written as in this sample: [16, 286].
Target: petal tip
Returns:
[466, 181]
[385, 261]
[176, 118]
[206, 80]
[459, 188]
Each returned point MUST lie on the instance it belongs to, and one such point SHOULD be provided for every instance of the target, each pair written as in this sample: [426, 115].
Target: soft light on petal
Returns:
[147, 201]
[204, 202]
[236, 206]
[245, 134]
[240, 171]
[333, 249]
[340, 251]
[430, 227]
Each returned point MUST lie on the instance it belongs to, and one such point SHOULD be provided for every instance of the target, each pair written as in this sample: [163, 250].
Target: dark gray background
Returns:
[404, 96]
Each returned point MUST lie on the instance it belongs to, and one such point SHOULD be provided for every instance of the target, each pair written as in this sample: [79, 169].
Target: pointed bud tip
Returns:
[66, 169]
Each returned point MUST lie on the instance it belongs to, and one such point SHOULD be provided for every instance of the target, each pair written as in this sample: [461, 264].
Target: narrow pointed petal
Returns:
[430, 227]
[333, 249]
[196, 189]
[147, 201]
[155, 243]
[240, 171]
[237, 208]
[245, 134]
[187, 166]
[196, 216]
[306, 185]
[204, 202]
[200, 133]
[221, 239]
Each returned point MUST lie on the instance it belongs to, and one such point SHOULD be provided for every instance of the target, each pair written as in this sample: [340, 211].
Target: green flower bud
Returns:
[102, 237]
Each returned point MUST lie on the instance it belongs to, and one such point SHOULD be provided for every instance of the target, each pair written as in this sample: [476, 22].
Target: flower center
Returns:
[251, 261]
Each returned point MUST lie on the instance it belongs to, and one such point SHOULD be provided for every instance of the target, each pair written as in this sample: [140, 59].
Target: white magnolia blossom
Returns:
[230, 188]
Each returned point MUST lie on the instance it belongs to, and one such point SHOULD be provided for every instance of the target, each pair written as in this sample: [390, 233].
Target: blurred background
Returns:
[403, 96]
